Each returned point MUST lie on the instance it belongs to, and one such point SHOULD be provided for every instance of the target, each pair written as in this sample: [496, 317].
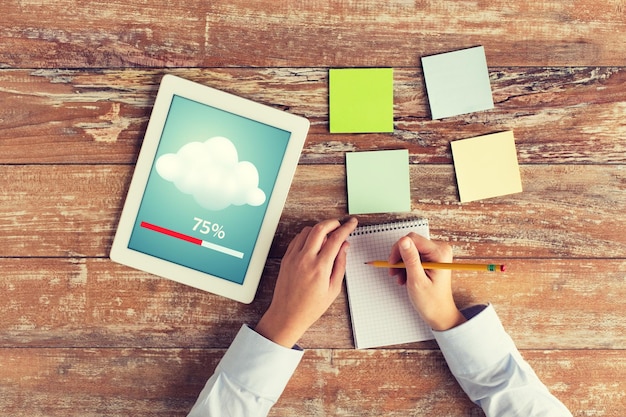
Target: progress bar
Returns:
[191, 239]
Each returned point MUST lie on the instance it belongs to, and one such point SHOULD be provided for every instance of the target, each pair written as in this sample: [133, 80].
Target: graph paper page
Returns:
[381, 311]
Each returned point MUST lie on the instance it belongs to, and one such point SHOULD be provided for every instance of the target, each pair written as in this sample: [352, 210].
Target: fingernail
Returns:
[405, 243]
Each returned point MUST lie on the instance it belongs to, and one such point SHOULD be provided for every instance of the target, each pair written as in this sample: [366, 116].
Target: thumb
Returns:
[408, 252]
[412, 261]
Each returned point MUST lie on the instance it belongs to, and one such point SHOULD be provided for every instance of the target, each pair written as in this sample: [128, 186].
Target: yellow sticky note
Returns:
[486, 166]
[361, 100]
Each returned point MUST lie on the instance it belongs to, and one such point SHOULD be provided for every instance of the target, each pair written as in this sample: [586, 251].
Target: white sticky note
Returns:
[457, 82]
[486, 166]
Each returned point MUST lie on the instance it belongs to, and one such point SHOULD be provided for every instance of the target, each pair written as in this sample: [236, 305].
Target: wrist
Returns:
[279, 331]
[447, 320]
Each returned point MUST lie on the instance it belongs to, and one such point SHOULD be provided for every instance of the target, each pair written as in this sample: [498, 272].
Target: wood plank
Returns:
[155, 382]
[543, 304]
[559, 115]
[72, 210]
[76, 34]
[60, 302]
[98, 382]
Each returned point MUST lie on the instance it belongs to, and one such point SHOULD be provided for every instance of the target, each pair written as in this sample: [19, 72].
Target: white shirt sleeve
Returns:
[491, 371]
[249, 379]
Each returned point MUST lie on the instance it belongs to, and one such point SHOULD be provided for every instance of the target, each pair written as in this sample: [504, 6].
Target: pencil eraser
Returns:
[502, 268]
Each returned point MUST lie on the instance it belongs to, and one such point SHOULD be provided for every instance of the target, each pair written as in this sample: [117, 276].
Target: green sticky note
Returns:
[361, 100]
[378, 181]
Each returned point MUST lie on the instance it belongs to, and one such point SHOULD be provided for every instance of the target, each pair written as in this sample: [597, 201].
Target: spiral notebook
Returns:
[380, 308]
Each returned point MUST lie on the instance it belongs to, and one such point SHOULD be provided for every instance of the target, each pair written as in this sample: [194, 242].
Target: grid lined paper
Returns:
[381, 311]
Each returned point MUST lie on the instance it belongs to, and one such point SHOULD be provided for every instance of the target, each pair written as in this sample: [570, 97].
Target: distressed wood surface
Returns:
[565, 211]
[64, 116]
[81, 336]
[93, 302]
[327, 383]
[261, 33]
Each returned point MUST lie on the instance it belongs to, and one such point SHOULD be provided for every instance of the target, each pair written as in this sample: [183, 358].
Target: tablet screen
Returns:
[208, 189]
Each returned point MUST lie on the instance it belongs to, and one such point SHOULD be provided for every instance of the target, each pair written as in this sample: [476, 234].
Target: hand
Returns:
[310, 279]
[430, 291]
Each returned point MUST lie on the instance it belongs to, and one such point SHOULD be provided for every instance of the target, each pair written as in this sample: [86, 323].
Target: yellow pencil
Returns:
[438, 265]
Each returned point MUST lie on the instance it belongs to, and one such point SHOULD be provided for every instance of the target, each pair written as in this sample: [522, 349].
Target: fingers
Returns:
[317, 235]
[329, 232]
[339, 268]
[412, 261]
[298, 241]
[334, 242]
[325, 237]
[408, 252]
[428, 250]
[414, 248]
[395, 257]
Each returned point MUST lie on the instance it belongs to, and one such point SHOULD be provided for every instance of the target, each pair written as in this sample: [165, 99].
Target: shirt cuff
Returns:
[258, 364]
[476, 344]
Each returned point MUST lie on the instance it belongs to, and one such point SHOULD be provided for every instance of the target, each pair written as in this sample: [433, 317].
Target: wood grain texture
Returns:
[72, 210]
[95, 382]
[64, 116]
[80, 335]
[73, 33]
[59, 302]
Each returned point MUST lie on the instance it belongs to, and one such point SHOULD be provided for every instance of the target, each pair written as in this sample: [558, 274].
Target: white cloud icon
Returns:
[211, 172]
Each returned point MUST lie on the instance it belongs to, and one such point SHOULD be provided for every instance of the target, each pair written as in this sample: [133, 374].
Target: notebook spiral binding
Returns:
[375, 228]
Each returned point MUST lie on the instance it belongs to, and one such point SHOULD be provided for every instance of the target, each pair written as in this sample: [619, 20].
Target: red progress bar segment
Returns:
[171, 233]
[191, 239]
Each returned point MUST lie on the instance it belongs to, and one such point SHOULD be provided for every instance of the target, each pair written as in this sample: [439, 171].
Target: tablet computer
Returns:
[208, 189]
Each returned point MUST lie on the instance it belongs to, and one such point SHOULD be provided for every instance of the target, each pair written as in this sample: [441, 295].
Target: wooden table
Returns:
[81, 336]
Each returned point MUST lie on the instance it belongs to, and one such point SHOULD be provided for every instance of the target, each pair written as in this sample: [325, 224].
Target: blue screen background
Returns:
[164, 205]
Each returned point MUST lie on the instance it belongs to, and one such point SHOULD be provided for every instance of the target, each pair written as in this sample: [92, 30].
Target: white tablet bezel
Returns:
[170, 87]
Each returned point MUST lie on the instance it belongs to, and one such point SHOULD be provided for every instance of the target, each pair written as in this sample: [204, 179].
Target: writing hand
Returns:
[430, 291]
